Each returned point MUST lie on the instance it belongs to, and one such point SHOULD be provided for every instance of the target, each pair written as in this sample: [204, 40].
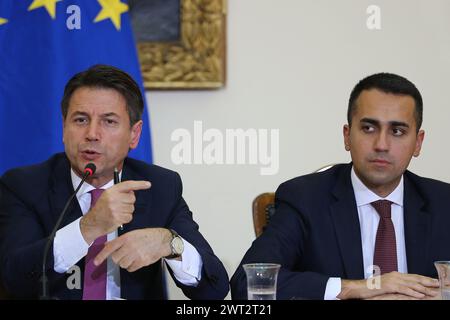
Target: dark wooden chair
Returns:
[264, 207]
[263, 210]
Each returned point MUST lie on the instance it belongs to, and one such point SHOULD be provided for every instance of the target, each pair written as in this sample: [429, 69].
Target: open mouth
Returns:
[90, 154]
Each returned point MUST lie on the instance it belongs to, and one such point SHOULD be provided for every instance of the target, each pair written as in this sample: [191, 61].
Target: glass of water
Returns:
[262, 280]
[443, 269]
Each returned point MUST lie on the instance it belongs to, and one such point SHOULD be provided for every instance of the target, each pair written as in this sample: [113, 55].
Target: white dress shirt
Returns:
[69, 247]
[368, 221]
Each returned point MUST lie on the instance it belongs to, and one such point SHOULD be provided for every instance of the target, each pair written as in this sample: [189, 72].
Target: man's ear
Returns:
[136, 131]
[346, 133]
[419, 141]
[63, 127]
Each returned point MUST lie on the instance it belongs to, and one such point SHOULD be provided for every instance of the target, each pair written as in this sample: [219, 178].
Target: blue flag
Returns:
[43, 43]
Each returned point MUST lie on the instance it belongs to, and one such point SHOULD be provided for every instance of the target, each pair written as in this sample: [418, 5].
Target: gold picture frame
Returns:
[197, 61]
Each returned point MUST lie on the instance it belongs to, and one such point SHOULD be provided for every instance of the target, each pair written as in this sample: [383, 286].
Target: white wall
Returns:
[291, 66]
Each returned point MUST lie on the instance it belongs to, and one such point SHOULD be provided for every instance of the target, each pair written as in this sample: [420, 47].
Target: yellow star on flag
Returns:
[3, 21]
[50, 5]
[111, 9]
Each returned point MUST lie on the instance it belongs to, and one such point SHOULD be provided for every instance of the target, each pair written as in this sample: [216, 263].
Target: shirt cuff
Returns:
[189, 270]
[69, 246]
[332, 289]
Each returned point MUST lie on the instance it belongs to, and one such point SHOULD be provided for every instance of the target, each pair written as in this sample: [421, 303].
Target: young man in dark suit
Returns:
[114, 235]
[333, 231]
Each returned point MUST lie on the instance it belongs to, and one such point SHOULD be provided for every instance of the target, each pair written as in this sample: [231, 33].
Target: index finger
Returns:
[110, 248]
[132, 185]
[426, 281]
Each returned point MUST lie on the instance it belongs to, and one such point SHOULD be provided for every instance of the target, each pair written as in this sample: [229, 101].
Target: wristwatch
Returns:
[176, 244]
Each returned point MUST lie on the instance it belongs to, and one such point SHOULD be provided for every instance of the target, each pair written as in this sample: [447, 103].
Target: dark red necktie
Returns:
[385, 254]
[94, 287]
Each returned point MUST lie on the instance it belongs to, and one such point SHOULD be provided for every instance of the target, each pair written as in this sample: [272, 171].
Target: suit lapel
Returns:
[417, 223]
[143, 201]
[344, 215]
[60, 191]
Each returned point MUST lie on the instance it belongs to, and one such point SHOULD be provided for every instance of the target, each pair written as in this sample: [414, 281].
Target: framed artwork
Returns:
[181, 43]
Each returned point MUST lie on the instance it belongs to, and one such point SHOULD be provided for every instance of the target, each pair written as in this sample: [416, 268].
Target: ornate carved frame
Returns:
[197, 61]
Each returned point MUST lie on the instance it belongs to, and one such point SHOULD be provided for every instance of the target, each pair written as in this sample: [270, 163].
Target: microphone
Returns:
[89, 170]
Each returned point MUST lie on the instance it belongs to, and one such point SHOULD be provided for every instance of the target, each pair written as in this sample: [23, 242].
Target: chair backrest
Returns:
[263, 210]
[264, 207]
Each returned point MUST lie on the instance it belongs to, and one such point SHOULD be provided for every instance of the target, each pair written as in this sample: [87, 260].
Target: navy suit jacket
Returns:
[32, 200]
[315, 232]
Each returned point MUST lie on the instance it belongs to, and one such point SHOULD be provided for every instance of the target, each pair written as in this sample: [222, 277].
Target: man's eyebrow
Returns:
[110, 114]
[398, 124]
[371, 121]
[393, 123]
[105, 115]
[79, 113]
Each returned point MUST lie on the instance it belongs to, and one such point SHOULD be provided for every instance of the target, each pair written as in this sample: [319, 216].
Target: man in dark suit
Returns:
[115, 236]
[365, 230]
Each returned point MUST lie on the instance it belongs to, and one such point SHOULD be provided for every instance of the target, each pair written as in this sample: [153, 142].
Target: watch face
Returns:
[177, 245]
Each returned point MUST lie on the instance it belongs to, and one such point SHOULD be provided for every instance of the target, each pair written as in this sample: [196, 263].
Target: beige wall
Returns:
[291, 66]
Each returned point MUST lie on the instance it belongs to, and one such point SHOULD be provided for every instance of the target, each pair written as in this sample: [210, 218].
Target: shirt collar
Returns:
[365, 196]
[86, 187]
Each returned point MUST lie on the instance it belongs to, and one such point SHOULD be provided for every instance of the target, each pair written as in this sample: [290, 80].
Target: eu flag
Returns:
[43, 43]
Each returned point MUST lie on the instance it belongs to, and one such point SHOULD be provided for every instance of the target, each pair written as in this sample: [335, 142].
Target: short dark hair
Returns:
[388, 83]
[107, 77]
